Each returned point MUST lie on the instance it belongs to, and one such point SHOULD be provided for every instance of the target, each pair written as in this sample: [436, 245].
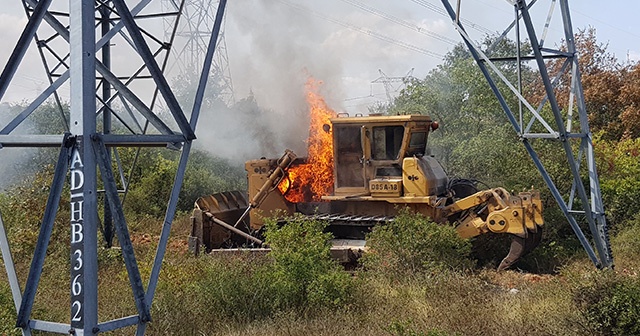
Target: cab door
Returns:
[349, 158]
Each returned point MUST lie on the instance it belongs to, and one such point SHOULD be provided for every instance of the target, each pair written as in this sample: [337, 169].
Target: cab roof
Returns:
[381, 119]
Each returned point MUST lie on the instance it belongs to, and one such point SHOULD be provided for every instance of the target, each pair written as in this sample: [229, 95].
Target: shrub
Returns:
[298, 277]
[619, 167]
[414, 244]
[610, 304]
[303, 274]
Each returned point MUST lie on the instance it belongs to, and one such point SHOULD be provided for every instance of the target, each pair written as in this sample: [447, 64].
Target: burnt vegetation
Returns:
[419, 278]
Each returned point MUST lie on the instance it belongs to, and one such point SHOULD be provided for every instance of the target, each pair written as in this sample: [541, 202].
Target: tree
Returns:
[474, 134]
[611, 92]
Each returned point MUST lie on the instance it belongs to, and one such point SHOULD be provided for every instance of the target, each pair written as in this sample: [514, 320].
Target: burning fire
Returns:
[313, 179]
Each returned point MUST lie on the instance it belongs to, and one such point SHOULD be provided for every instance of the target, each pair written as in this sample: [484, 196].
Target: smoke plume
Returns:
[277, 50]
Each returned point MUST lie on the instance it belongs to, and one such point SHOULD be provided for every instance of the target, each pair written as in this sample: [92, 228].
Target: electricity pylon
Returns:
[76, 40]
[191, 40]
[568, 127]
[393, 84]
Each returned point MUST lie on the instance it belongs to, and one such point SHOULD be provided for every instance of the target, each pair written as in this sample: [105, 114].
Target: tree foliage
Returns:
[153, 177]
[456, 94]
[611, 91]
[619, 171]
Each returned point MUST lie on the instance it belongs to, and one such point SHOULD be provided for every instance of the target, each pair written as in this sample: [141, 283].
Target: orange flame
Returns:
[311, 180]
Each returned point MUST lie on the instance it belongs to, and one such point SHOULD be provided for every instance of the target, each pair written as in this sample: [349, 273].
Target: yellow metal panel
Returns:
[508, 220]
[415, 183]
[381, 119]
[258, 173]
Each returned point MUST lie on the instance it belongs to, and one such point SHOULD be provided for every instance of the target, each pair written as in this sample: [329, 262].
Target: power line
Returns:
[606, 23]
[366, 31]
[387, 80]
[439, 10]
[401, 22]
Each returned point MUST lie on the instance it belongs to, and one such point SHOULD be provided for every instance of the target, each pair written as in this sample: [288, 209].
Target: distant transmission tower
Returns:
[392, 84]
[191, 40]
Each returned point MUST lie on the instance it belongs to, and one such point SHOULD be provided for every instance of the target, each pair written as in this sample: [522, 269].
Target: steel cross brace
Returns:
[593, 208]
[106, 72]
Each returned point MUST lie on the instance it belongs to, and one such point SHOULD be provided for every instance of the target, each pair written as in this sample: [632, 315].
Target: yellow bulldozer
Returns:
[379, 164]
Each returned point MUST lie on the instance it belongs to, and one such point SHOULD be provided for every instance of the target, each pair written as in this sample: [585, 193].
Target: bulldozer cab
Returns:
[373, 147]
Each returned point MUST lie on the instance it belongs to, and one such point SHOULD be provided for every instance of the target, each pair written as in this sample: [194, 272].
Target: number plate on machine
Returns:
[388, 188]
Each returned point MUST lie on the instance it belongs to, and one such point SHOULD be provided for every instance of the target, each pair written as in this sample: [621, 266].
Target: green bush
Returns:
[303, 274]
[414, 244]
[297, 277]
[610, 304]
[619, 168]
[154, 174]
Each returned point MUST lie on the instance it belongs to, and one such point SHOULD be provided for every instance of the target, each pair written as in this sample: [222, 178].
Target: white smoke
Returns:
[276, 50]
[14, 164]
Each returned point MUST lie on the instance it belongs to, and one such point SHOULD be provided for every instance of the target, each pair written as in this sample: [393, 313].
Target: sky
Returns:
[274, 45]
[358, 39]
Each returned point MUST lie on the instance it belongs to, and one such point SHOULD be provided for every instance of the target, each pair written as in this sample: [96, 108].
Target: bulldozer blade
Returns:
[533, 240]
[516, 251]
[521, 247]
[224, 206]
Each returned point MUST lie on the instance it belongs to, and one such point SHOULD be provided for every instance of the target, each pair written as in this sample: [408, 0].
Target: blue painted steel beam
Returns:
[23, 44]
[111, 192]
[154, 69]
[600, 245]
[142, 140]
[44, 236]
[53, 327]
[182, 165]
[83, 306]
[11, 140]
[118, 323]
[597, 205]
[9, 266]
[166, 229]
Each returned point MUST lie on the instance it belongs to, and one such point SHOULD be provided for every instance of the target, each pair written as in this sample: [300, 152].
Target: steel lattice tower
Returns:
[393, 84]
[78, 42]
[191, 40]
[568, 128]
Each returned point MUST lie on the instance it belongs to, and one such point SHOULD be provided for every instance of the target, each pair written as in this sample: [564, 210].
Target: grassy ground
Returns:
[217, 295]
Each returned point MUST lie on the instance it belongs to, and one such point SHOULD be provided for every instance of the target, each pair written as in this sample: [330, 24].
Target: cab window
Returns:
[387, 141]
[417, 143]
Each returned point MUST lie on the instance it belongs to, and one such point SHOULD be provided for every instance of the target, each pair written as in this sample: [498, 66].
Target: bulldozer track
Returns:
[351, 220]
